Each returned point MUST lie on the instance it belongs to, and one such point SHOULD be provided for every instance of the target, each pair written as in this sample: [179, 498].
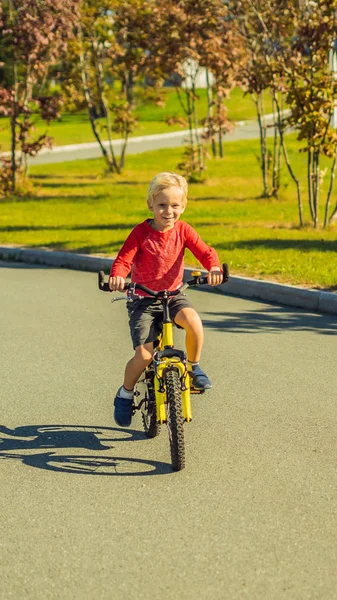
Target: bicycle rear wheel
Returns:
[175, 420]
[149, 412]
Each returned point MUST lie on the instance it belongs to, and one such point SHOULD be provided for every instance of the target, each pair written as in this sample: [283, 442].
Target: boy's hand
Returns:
[116, 284]
[214, 276]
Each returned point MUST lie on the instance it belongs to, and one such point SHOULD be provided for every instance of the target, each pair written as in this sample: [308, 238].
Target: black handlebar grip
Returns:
[102, 285]
[225, 273]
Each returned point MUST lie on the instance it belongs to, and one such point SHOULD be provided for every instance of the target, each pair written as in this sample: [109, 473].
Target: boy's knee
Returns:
[144, 353]
[188, 318]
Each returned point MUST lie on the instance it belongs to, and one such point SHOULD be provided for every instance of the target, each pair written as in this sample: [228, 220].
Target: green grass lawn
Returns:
[76, 129]
[76, 208]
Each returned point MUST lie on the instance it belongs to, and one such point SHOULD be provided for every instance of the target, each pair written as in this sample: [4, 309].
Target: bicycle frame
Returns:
[165, 358]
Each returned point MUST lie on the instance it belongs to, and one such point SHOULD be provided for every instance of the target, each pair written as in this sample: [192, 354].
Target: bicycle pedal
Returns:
[195, 391]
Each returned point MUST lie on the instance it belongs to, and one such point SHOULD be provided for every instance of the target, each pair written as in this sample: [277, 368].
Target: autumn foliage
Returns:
[34, 34]
[103, 52]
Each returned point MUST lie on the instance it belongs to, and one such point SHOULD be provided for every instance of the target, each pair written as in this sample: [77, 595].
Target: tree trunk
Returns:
[99, 76]
[309, 183]
[130, 89]
[275, 172]
[313, 184]
[316, 183]
[263, 147]
[331, 186]
[122, 157]
[13, 127]
[13, 147]
[190, 126]
[210, 115]
[187, 110]
[276, 154]
[286, 158]
[219, 102]
[195, 125]
[111, 163]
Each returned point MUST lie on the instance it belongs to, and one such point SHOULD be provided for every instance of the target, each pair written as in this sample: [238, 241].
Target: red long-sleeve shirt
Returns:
[157, 257]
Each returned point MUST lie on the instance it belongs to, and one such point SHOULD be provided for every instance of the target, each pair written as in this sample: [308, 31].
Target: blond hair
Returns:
[166, 180]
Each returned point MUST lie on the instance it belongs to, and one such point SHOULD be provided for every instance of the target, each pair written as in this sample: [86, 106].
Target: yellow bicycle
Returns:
[163, 392]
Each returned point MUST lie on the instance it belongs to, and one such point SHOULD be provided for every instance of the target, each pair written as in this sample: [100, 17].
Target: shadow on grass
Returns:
[273, 319]
[200, 225]
[70, 198]
[130, 182]
[48, 176]
[115, 227]
[18, 228]
[277, 244]
[43, 176]
[75, 184]
[54, 197]
[66, 185]
[215, 199]
[22, 443]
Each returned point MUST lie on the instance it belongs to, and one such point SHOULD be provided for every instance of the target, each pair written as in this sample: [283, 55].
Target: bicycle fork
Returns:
[167, 358]
[161, 367]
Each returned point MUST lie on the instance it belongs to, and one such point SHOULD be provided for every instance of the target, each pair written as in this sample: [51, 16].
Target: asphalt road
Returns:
[89, 510]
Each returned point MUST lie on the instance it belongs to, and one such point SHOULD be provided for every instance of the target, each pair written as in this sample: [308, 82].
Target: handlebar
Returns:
[197, 280]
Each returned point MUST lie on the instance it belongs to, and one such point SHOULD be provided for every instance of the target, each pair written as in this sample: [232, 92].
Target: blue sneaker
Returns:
[199, 379]
[123, 410]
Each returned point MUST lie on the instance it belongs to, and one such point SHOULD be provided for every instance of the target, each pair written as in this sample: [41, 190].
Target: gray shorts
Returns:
[146, 314]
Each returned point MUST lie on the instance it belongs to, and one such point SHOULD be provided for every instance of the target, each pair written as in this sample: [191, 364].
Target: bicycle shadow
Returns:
[21, 444]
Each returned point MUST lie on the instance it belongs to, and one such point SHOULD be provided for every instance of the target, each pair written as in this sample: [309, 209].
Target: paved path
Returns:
[91, 511]
[136, 145]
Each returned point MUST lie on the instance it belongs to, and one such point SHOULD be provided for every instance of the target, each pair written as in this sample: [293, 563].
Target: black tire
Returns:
[149, 414]
[175, 420]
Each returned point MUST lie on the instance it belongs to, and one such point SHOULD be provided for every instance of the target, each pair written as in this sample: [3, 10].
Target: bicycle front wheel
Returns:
[175, 420]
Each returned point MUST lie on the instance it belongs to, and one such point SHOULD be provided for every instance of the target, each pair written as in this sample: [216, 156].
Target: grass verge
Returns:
[76, 208]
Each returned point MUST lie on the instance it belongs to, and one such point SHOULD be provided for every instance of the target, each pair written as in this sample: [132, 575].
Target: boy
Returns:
[155, 250]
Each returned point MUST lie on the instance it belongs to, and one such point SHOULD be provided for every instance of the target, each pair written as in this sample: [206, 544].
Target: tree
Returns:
[34, 34]
[265, 28]
[222, 56]
[311, 95]
[187, 34]
[131, 60]
[90, 55]
[291, 45]
[113, 49]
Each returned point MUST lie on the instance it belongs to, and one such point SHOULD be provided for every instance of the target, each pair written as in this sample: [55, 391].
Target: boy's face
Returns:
[167, 208]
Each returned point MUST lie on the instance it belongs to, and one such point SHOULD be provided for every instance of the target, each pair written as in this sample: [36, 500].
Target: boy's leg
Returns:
[136, 365]
[124, 397]
[142, 318]
[188, 319]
